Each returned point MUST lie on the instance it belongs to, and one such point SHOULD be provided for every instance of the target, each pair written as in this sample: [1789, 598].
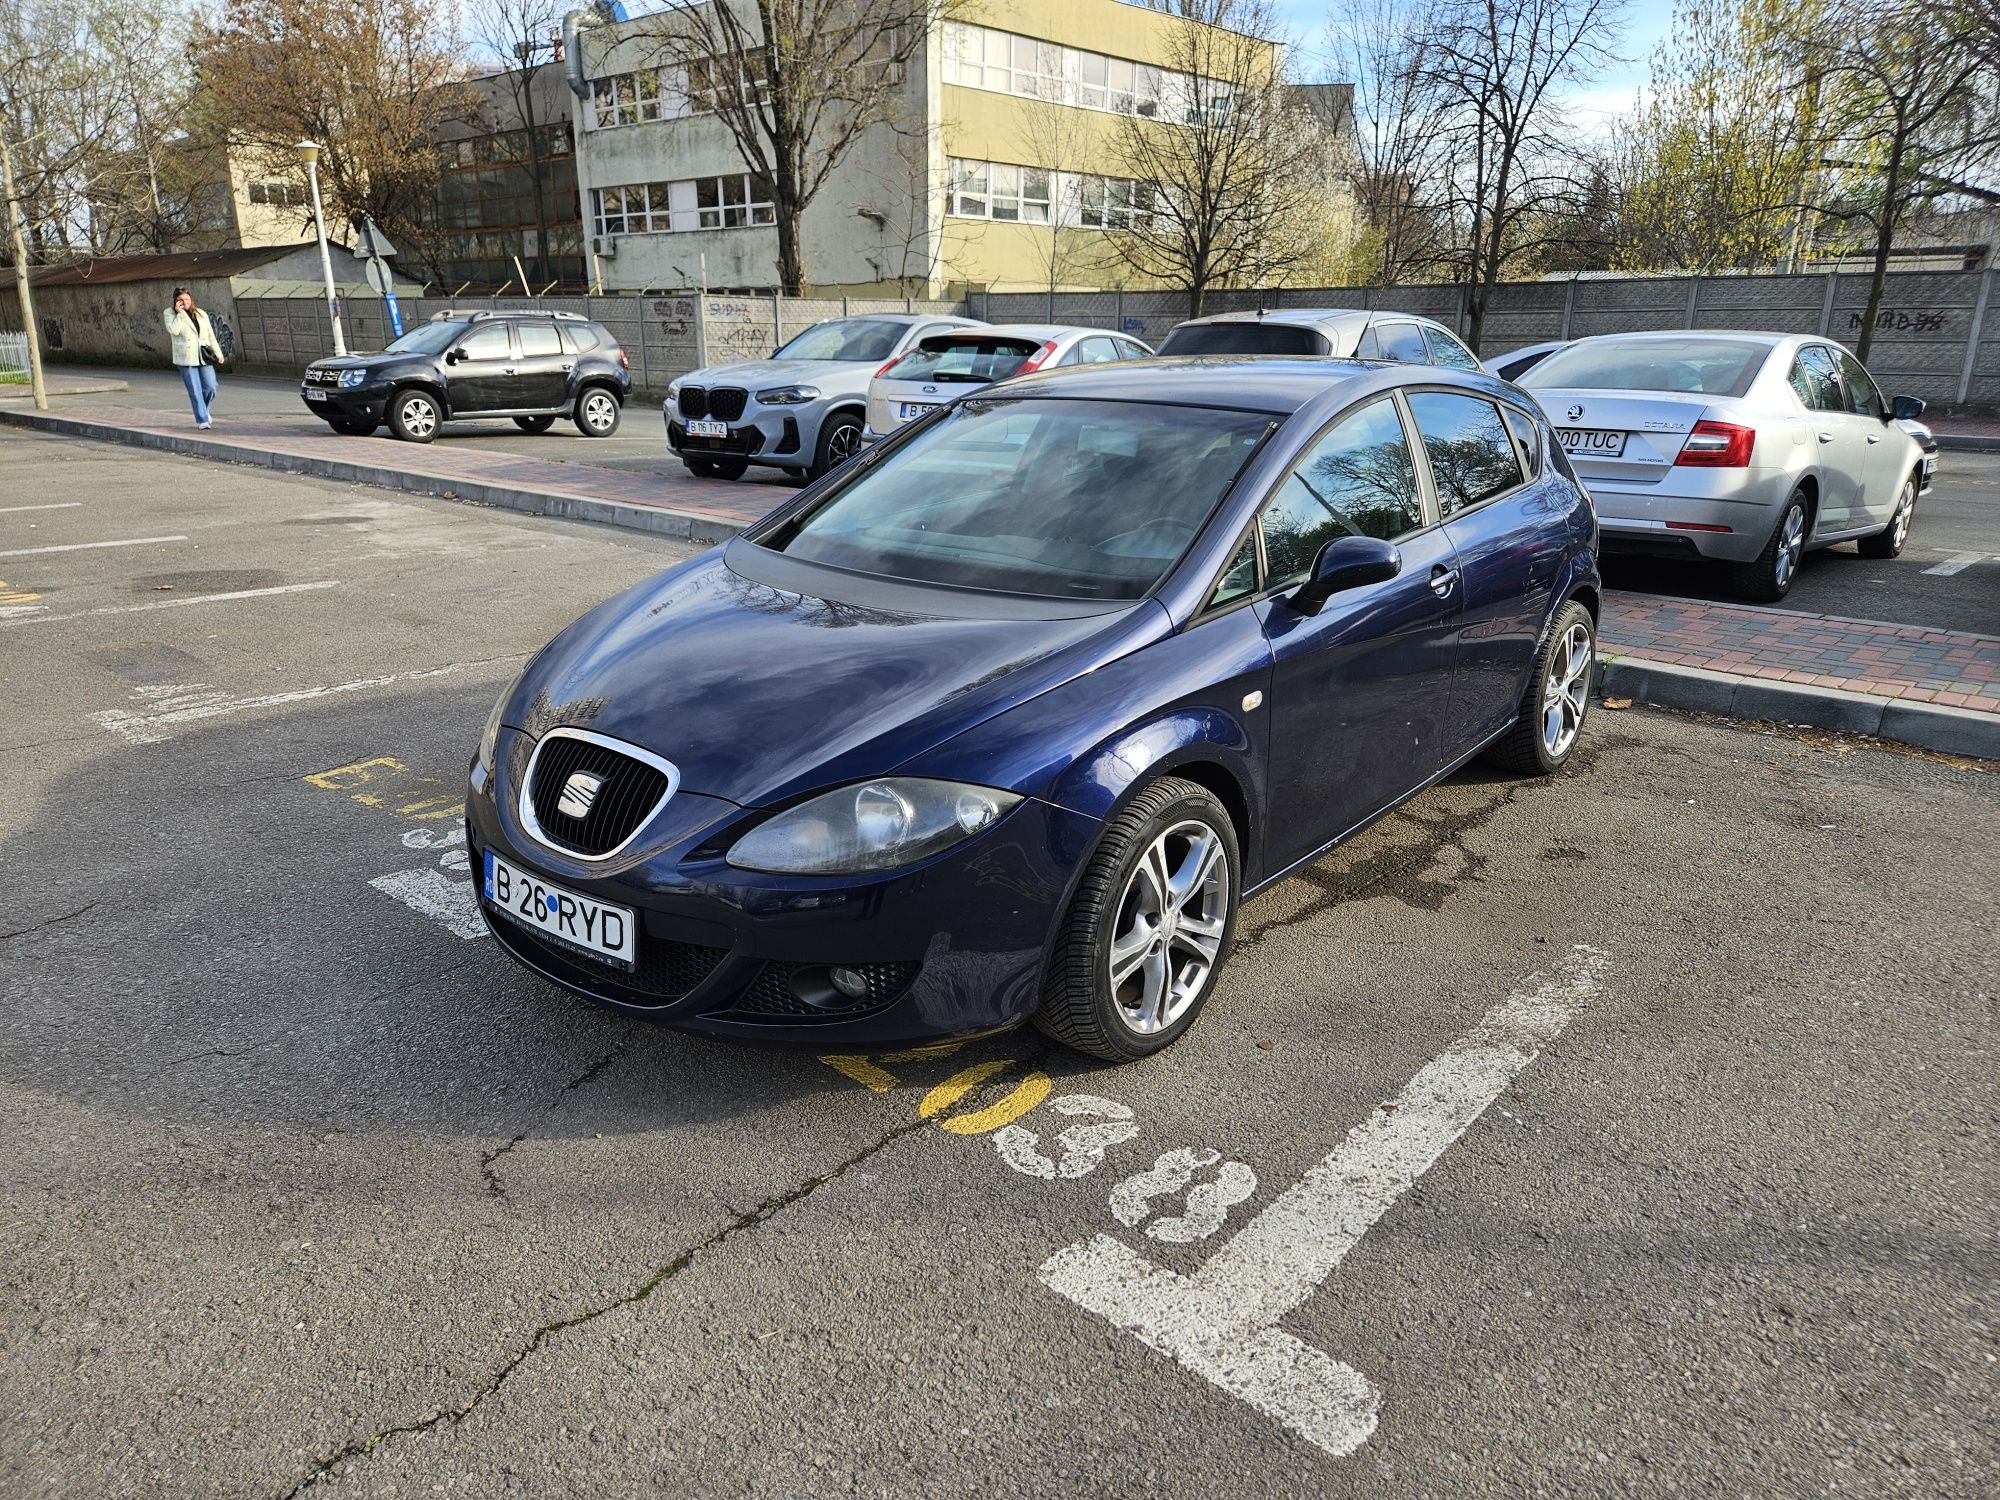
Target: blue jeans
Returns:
[200, 383]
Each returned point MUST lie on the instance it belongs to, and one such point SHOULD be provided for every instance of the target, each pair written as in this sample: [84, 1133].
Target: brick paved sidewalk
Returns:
[1949, 667]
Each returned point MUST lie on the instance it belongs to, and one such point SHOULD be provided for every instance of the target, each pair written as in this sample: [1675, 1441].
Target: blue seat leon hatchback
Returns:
[1004, 719]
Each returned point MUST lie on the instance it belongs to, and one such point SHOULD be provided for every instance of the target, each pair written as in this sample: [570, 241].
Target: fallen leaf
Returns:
[1263, 1046]
[1617, 702]
[163, 588]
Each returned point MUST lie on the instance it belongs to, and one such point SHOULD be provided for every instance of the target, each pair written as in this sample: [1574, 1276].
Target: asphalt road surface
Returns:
[1627, 1133]
[1948, 575]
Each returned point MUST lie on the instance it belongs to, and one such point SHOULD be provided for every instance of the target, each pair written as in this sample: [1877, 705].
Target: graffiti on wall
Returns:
[1902, 320]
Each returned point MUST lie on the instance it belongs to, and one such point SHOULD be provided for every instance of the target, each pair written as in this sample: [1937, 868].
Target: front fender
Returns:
[1102, 780]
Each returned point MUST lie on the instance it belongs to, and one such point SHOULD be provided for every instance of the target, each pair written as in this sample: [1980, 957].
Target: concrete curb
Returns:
[1967, 442]
[1931, 726]
[655, 520]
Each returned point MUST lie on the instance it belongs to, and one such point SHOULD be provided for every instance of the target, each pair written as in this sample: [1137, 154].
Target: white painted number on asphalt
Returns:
[1208, 1203]
[1221, 1321]
[1082, 1147]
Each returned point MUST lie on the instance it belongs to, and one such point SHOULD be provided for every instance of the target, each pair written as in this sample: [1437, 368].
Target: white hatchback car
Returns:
[945, 366]
[1742, 448]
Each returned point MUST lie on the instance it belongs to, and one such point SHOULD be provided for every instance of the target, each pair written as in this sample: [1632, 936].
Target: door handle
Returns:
[568, 368]
[1875, 438]
[1826, 437]
[1442, 578]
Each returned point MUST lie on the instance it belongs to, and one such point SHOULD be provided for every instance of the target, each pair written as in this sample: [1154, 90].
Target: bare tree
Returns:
[1383, 47]
[796, 83]
[1495, 70]
[1913, 90]
[1226, 181]
[370, 81]
[1055, 141]
[520, 35]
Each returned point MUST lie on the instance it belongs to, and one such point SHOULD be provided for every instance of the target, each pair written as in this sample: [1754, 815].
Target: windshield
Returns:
[973, 360]
[855, 339]
[1068, 499]
[1243, 338]
[431, 338]
[1701, 366]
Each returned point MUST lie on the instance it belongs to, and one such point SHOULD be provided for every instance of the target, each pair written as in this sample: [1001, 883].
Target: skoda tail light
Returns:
[1717, 445]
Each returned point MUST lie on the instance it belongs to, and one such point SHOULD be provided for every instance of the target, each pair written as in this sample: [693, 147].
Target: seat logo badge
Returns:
[578, 793]
[1576, 413]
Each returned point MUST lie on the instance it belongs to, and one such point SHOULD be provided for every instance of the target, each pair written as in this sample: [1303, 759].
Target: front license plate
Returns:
[910, 410]
[579, 921]
[702, 427]
[312, 395]
[1591, 442]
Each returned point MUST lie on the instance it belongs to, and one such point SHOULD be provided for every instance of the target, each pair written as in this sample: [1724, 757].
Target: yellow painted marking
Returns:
[361, 773]
[1024, 1096]
[862, 1071]
[923, 1054]
[961, 1083]
[431, 809]
[16, 596]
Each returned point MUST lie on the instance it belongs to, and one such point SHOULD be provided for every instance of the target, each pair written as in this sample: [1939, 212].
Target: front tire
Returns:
[1888, 542]
[1138, 951]
[717, 468]
[596, 413]
[534, 424]
[1558, 696]
[839, 440]
[1770, 577]
[415, 416]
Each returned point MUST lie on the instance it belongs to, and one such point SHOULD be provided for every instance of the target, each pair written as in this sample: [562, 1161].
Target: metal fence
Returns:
[663, 337]
[1937, 335]
[14, 353]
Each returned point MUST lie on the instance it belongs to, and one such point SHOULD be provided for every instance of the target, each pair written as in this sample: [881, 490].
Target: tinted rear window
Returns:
[1243, 338]
[1700, 366]
[971, 360]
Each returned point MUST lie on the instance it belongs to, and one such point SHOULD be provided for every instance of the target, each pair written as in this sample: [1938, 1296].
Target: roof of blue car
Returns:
[1258, 382]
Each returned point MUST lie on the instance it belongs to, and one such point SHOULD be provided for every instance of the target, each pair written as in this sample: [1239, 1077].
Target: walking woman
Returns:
[196, 352]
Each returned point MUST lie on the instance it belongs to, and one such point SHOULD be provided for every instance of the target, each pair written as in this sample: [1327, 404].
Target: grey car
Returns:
[1329, 332]
[802, 409]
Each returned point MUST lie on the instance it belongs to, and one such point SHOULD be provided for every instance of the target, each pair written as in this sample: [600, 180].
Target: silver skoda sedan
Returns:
[1747, 449]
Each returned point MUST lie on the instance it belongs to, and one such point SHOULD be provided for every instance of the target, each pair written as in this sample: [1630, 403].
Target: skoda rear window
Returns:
[976, 360]
[1055, 498]
[1243, 338]
[1699, 366]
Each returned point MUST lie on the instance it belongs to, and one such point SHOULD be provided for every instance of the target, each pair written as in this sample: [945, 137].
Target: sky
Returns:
[1642, 26]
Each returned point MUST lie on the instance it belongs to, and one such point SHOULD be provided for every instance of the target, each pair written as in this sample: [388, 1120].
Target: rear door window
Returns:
[1357, 479]
[1472, 457]
[539, 341]
[1403, 342]
[1816, 380]
[1097, 351]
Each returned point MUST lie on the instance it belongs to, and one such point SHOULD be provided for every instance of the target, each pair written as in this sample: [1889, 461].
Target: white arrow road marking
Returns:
[186, 702]
[1958, 562]
[434, 894]
[1221, 1322]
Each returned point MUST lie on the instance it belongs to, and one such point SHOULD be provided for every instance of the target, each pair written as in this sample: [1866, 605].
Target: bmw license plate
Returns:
[703, 427]
[565, 916]
[911, 410]
[1591, 442]
[313, 395]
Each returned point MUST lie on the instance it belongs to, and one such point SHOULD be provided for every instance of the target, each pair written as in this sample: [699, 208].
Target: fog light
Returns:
[849, 984]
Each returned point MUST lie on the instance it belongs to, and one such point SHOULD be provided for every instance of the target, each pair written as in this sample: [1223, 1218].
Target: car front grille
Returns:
[693, 401]
[318, 376]
[665, 971]
[726, 402]
[629, 790]
[780, 991]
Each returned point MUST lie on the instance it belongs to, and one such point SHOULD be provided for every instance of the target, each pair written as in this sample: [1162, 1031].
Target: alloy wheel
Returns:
[419, 416]
[842, 444]
[599, 410]
[1906, 505]
[1790, 546]
[1566, 692]
[1168, 932]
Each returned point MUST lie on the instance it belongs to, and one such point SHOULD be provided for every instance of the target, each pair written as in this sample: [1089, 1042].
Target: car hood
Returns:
[361, 361]
[758, 692]
[833, 377]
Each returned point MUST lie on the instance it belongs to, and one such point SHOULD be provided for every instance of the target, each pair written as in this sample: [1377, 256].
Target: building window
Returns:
[625, 99]
[710, 84]
[276, 194]
[981, 57]
[1114, 203]
[999, 190]
[727, 202]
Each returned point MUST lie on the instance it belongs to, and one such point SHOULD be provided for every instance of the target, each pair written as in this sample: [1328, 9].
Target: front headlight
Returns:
[353, 377]
[878, 825]
[788, 395]
[489, 741]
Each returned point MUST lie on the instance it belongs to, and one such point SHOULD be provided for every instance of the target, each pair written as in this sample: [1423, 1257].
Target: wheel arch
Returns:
[430, 387]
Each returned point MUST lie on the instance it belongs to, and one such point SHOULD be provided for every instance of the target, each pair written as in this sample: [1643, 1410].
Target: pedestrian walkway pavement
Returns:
[60, 385]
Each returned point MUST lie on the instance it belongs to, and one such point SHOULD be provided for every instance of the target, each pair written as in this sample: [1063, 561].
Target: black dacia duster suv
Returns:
[531, 366]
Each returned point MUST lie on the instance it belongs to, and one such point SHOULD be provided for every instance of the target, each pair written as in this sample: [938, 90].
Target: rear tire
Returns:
[839, 440]
[1550, 724]
[1888, 542]
[534, 424]
[1771, 576]
[1161, 889]
[415, 416]
[716, 468]
[596, 412]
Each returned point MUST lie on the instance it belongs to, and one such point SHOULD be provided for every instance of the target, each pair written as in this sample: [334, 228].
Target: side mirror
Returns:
[1905, 408]
[455, 357]
[1346, 562]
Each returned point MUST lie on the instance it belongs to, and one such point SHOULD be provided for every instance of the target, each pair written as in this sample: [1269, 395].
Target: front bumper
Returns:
[351, 402]
[786, 436]
[950, 948]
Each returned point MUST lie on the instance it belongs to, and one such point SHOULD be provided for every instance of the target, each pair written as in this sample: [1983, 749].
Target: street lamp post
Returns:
[309, 155]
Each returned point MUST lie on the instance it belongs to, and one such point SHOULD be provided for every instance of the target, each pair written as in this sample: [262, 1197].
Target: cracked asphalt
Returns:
[304, 1192]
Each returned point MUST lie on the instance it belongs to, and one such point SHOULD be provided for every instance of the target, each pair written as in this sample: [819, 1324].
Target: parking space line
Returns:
[134, 609]
[130, 541]
[1958, 562]
[187, 703]
[10, 510]
[1221, 1321]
